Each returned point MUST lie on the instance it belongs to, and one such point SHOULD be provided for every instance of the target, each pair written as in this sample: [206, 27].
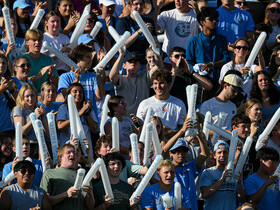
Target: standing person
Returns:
[179, 25]
[55, 39]
[42, 66]
[234, 23]
[152, 195]
[24, 195]
[257, 184]
[59, 183]
[216, 190]
[121, 190]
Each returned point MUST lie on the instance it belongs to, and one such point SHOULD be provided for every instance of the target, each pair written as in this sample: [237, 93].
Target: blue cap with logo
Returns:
[217, 145]
[85, 39]
[20, 4]
[180, 143]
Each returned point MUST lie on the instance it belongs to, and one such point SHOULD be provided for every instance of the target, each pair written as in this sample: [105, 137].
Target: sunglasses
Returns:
[30, 171]
[28, 65]
[177, 56]
[91, 20]
[242, 47]
[241, 2]
[274, 10]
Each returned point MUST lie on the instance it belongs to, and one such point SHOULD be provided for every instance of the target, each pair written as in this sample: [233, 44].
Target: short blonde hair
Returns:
[20, 98]
[61, 152]
[166, 163]
[34, 34]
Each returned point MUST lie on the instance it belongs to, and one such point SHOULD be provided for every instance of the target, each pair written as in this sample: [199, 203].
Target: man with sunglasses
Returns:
[24, 195]
[241, 4]
[207, 52]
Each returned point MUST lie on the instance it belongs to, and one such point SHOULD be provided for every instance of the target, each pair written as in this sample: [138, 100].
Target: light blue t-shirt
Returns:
[19, 84]
[55, 106]
[224, 197]
[270, 200]
[152, 197]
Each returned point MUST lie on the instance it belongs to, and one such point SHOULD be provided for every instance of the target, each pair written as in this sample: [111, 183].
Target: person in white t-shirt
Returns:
[179, 24]
[55, 39]
[169, 108]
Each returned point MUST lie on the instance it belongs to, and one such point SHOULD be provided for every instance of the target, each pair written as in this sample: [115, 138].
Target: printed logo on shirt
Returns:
[183, 29]
[240, 20]
[164, 109]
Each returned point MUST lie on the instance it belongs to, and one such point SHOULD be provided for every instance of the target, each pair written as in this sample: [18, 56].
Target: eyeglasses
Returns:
[28, 65]
[30, 171]
[242, 47]
[241, 2]
[91, 20]
[177, 56]
[274, 10]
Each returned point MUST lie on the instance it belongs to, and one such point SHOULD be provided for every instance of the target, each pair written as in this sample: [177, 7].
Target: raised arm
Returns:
[114, 73]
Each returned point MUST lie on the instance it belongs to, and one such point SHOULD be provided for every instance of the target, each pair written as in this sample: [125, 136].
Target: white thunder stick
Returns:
[167, 201]
[191, 110]
[10, 177]
[147, 177]
[79, 29]
[104, 116]
[72, 116]
[155, 139]
[115, 35]
[256, 49]
[53, 136]
[188, 92]
[94, 168]
[37, 19]
[206, 119]
[268, 129]
[276, 173]
[115, 134]
[79, 178]
[113, 51]
[221, 121]
[19, 141]
[177, 195]
[33, 117]
[145, 31]
[64, 58]
[105, 179]
[134, 148]
[149, 115]
[243, 155]
[148, 143]
[232, 150]
[96, 29]
[8, 25]
[42, 144]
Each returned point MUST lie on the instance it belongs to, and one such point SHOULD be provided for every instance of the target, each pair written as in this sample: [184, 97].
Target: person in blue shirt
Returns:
[153, 195]
[207, 52]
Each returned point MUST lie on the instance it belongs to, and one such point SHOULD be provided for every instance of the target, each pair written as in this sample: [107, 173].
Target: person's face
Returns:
[166, 175]
[107, 10]
[90, 24]
[3, 66]
[138, 6]
[141, 152]
[86, 62]
[22, 69]
[29, 98]
[179, 156]
[49, 93]
[255, 112]
[6, 147]
[23, 13]
[276, 130]
[277, 58]
[120, 108]
[269, 166]
[181, 4]
[77, 93]
[161, 88]
[221, 156]
[241, 49]
[243, 130]
[131, 67]
[34, 45]
[24, 176]
[14, 26]
[150, 57]
[69, 158]
[241, 4]
[263, 82]
[53, 24]
[202, 4]
[105, 148]
[65, 8]
[175, 57]
[114, 168]
[158, 125]
[230, 91]
[209, 23]
[228, 3]
[274, 11]
[25, 148]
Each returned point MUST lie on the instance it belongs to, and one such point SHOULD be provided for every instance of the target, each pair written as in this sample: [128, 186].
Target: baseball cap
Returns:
[235, 81]
[107, 2]
[131, 56]
[85, 39]
[217, 145]
[21, 4]
[180, 143]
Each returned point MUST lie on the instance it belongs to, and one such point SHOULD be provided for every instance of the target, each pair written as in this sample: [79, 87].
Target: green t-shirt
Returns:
[59, 180]
[122, 192]
[37, 65]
